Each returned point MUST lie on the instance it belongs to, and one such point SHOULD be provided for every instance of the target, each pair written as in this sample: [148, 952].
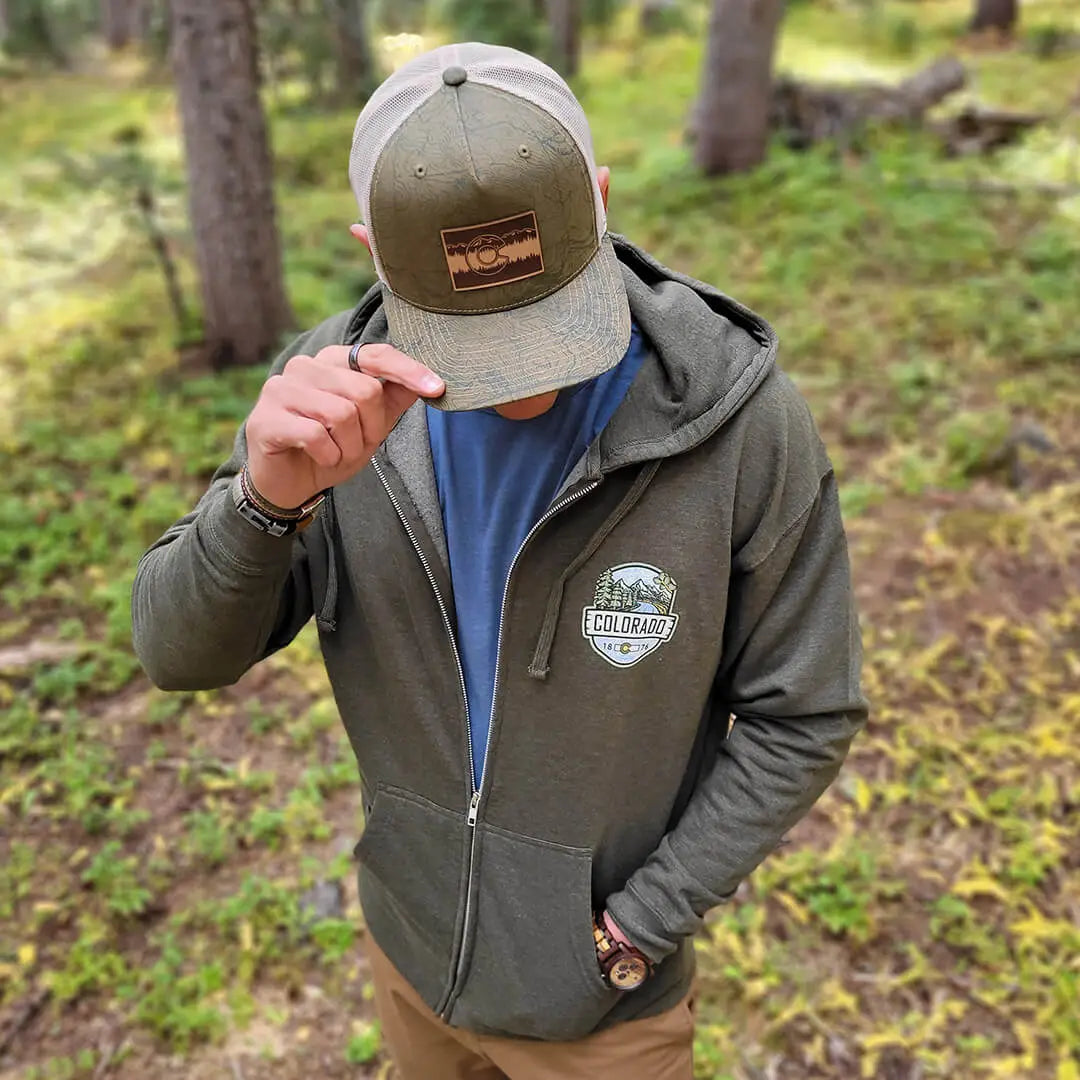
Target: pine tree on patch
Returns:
[605, 591]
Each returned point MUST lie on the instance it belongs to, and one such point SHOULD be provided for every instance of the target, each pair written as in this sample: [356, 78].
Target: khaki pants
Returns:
[425, 1048]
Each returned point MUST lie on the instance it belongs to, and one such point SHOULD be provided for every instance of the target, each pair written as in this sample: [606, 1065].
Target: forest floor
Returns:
[156, 851]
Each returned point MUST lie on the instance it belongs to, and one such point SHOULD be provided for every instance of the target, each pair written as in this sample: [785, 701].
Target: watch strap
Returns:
[264, 515]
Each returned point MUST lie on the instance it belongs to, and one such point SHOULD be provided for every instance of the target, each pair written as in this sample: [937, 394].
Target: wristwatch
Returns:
[264, 515]
[623, 967]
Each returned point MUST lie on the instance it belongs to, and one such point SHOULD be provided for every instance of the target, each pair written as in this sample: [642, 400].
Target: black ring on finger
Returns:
[354, 357]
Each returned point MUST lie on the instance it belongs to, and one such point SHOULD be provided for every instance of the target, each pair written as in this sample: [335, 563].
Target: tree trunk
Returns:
[117, 22]
[230, 175]
[733, 109]
[564, 19]
[995, 15]
[142, 20]
[28, 31]
[355, 66]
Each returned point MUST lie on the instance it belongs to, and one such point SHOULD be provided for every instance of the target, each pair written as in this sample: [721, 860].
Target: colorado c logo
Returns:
[485, 254]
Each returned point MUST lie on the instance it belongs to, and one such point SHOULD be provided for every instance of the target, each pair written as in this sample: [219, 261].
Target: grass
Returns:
[155, 849]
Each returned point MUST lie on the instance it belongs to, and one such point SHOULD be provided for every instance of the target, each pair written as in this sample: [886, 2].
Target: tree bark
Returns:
[934, 82]
[564, 20]
[732, 115]
[117, 22]
[142, 20]
[230, 176]
[355, 65]
[998, 15]
[807, 113]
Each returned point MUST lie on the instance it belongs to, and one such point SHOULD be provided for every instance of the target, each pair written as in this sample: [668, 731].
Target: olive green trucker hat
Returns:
[474, 171]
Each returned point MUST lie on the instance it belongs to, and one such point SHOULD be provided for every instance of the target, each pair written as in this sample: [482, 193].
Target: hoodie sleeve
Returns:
[790, 676]
[214, 595]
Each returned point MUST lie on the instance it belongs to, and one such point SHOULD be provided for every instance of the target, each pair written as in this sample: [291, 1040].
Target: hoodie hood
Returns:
[688, 392]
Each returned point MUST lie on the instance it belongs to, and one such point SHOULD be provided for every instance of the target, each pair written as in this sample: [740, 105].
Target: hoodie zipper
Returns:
[446, 623]
[477, 790]
[474, 805]
[474, 798]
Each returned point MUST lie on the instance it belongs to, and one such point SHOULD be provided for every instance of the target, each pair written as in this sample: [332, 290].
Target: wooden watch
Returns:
[623, 967]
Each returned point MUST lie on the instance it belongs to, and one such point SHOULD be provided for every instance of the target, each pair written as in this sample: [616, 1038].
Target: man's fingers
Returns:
[332, 410]
[294, 432]
[360, 389]
[359, 410]
[354, 410]
[344, 417]
[386, 362]
[397, 400]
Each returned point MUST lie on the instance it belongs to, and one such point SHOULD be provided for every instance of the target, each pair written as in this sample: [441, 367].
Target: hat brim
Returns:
[489, 359]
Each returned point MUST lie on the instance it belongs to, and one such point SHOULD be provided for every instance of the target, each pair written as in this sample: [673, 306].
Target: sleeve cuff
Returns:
[245, 546]
[641, 925]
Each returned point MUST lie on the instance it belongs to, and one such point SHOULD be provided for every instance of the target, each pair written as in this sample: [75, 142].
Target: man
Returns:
[576, 557]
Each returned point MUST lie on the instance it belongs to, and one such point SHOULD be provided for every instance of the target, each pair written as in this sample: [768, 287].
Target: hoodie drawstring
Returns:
[540, 667]
[327, 617]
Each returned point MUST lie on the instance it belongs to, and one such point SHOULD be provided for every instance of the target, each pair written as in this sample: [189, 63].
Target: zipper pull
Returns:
[474, 808]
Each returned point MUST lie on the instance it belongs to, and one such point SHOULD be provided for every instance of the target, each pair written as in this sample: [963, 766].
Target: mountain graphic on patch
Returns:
[494, 252]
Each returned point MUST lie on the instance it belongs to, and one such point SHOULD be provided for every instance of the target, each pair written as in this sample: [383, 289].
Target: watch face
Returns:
[628, 973]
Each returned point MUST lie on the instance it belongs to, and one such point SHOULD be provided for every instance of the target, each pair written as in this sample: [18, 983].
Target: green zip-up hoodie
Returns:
[693, 568]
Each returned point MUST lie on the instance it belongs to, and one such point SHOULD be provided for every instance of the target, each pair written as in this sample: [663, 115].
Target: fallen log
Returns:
[808, 113]
[934, 83]
[980, 131]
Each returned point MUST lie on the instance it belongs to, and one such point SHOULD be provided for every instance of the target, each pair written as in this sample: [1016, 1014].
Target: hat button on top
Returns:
[454, 75]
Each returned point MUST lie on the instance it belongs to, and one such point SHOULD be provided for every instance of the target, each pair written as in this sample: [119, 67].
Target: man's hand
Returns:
[319, 422]
[615, 930]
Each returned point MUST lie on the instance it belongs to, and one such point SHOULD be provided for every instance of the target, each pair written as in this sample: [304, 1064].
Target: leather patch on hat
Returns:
[494, 252]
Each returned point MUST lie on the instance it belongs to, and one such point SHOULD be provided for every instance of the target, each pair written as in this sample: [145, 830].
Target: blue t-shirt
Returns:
[496, 479]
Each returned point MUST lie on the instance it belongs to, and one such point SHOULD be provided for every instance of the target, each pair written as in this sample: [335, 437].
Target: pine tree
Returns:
[230, 171]
[1000, 15]
[621, 597]
[732, 113]
[605, 590]
[564, 27]
[356, 76]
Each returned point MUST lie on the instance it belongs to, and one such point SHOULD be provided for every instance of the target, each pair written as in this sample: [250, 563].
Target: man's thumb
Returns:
[399, 399]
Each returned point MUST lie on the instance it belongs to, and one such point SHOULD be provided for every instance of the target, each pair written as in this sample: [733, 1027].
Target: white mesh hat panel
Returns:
[386, 110]
[489, 65]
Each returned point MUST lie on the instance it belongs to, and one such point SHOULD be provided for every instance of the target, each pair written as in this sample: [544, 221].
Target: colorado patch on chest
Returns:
[632, 614]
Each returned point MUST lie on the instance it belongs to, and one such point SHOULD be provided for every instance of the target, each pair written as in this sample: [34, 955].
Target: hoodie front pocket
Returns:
[411, 857]
[533, 971]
